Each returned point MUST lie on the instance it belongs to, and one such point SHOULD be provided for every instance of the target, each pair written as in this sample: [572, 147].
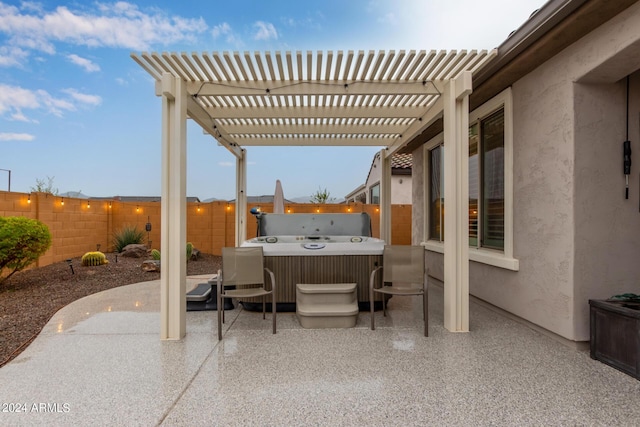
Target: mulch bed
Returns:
[28, 299]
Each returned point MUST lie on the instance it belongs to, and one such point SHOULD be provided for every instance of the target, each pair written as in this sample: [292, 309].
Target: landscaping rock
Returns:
[151, 265]
[135, 251]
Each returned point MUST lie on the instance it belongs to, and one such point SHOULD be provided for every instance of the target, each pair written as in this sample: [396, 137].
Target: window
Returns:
[374, 194]
[490, 186]
[486, 181]
[436, 194]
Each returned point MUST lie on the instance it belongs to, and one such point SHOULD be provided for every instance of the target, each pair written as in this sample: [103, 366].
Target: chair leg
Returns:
[264, 307]
[384, 305]
[273, 311]
[219, 298]
[425, 312]
[371, 304]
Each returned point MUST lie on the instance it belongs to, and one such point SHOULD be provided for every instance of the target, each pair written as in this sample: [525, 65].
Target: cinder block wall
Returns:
[79, 226]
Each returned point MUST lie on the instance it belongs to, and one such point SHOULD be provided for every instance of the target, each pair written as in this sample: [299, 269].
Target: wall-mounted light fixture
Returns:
[198, 207]
[137, 208]
[109, 205]
[62, 202]
[228, 206]
[29, 199]
[88, 204]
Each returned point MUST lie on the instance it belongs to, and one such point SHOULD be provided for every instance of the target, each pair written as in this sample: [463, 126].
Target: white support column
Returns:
[241, 197]
[173, 275]
[385, 196]
[456, 203]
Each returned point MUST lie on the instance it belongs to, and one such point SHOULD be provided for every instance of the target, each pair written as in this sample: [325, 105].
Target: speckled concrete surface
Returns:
[100, 361]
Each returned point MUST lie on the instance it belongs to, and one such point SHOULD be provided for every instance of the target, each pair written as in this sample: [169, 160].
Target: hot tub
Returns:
[313, 257]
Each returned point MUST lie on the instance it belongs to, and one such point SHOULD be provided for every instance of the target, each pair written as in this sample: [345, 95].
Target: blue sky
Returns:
[74, 106]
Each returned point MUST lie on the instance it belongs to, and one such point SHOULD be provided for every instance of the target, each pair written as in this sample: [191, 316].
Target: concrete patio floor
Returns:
[99, 361]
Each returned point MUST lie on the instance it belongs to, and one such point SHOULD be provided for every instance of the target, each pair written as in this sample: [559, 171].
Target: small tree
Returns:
[321, 196]
[22, 241]
[42, 187]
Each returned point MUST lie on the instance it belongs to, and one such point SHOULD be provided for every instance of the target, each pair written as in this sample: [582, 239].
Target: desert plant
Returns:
[321, 196]
[126, 236]
[155, 254]
[45, 187]
[94, 258]
[22, 241]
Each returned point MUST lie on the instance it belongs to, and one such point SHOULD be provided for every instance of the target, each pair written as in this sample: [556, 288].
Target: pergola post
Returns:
[456, 203]
[385, 196]
[173, 228]
[241, 197]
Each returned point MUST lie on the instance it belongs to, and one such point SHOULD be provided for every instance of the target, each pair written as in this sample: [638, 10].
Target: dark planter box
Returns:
[615, 335]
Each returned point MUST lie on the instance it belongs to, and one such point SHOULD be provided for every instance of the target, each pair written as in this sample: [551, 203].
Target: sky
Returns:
[74, 106]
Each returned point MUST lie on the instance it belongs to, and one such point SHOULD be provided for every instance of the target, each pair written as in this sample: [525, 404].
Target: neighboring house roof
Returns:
[401, 164]
[262, 199]
[141, 199]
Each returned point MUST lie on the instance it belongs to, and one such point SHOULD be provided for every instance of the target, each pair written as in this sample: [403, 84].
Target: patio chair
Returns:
[403, 274]
[244, 269]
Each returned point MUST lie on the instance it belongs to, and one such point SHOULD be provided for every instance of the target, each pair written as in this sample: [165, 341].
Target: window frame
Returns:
[371, 188]
[498, 258]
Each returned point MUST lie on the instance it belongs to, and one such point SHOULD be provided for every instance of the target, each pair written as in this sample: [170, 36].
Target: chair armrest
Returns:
[372, 278]
[272, 278]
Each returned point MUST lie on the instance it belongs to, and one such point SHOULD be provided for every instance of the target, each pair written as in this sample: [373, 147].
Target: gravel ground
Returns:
[30, 298]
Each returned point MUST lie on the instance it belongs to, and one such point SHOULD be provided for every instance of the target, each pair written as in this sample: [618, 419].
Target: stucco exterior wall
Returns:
[607, 245]
[400, 184]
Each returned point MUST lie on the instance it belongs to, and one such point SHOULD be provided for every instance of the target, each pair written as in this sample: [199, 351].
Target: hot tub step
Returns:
[333, 305]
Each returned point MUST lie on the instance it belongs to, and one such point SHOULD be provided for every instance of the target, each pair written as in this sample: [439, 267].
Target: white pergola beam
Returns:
[456, 196]
[317, 112]
[317, 129]
[313, 140]
[173, 209]
[418, 126]
[241, 198]
[311, 88]
[200, 116]
[385, 196]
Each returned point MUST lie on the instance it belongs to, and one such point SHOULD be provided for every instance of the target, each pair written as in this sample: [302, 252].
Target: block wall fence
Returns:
[80, 225]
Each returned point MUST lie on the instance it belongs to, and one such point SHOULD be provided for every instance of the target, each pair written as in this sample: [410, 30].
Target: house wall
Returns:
[401, 191]
[575, 236]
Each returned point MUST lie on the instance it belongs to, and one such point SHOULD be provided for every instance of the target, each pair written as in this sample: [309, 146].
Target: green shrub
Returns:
[22, 241]
[126, 236]
[155, 254]
[94, 258]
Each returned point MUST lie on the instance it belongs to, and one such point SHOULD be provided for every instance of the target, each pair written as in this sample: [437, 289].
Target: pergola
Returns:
[382, 99]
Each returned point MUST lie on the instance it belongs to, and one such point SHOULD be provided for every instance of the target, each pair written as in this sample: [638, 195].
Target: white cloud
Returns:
[120, 25]
[265, 31]
[225, 30]
[11, 56]
[221, 29]
[83, 97]
[16, 137]
[226, 164]
[14, 100]
[88, 65]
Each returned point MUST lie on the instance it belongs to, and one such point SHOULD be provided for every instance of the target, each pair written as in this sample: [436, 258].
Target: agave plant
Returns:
[126, 236]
